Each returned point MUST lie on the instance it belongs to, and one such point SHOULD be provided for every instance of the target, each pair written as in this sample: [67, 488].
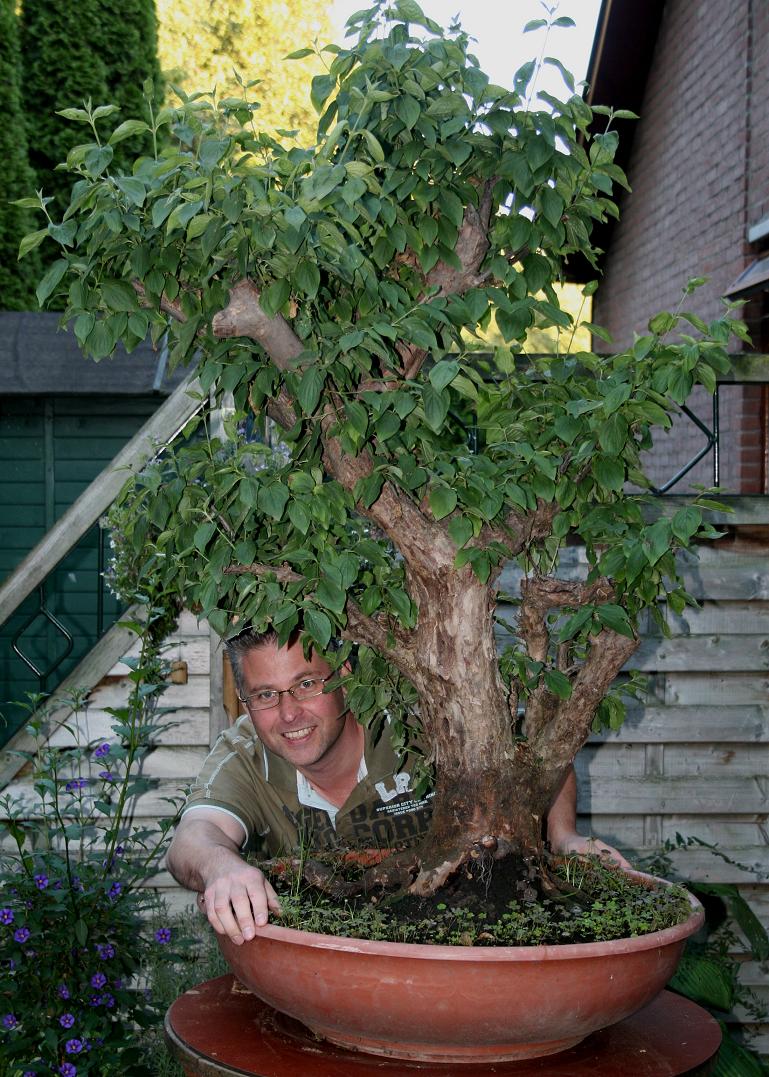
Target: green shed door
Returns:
[51, 449]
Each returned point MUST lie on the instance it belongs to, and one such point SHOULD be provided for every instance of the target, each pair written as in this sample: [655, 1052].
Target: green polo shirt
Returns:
[279, 813]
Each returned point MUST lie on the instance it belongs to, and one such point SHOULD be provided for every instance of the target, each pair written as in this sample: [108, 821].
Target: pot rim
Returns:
[443, 952]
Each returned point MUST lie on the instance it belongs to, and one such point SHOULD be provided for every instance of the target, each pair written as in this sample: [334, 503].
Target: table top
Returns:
[219, 1028]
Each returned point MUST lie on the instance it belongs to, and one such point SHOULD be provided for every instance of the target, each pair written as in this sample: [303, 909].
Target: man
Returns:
[297, 768]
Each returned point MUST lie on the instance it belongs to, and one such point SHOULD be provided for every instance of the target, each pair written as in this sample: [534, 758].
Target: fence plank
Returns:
[657, 724]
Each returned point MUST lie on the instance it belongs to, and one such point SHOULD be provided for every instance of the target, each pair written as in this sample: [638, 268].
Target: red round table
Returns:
[219, 1028]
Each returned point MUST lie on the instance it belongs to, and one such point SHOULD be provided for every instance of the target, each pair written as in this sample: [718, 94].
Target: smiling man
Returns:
[297, 770]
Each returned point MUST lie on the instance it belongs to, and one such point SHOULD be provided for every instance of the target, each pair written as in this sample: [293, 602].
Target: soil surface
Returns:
[489, 903]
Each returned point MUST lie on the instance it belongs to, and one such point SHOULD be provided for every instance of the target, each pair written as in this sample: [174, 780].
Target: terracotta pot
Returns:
[454, 1003]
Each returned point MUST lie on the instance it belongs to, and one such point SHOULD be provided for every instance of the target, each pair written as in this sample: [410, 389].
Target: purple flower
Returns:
[76, 783]
[163, 935]
[67, 1020]
[119, 850]
[62, 991]
[73, 1047]
[66, 1069]
[41, 881]
[118, 983]
[105, 774]
[6, 916]
[114, 890]
[21, 934]
[105, 950]
[94, 1000]
[101, 751]
[108, 1001]
[98, 979]
[9, 1021]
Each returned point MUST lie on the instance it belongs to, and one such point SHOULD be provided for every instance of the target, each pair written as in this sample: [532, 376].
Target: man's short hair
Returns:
[248, 639]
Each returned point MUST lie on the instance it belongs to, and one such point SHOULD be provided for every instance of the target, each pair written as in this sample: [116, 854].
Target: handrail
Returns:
[159, 429]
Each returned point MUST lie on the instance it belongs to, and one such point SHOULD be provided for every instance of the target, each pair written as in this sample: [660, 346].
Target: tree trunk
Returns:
[489, 791]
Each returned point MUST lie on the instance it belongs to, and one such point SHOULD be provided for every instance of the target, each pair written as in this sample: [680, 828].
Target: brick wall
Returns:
[699, 170]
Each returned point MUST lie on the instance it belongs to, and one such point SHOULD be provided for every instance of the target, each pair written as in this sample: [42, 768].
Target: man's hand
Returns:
[205, 856]
[238, 901]
[562, 827]
[574, 843]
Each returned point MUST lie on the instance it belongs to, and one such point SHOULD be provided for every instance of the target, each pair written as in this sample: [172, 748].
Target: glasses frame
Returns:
[291, 691]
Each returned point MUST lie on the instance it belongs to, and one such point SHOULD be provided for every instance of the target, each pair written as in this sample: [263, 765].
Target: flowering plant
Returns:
[75, 934]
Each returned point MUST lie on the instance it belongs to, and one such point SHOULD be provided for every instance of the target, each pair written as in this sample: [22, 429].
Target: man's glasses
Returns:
[267, 698]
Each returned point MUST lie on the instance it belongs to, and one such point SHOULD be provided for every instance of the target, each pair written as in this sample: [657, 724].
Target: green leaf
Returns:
[32, 240]
[203, 534]
[309, 389]
[436, 407]
[307, 278]
[685, 522]
[211, 152]
[330, 595]
[63, 233]
[81, 932]
[558, 683]
[616, 618]
[443, 373]
[705, 980]
[272, 499]
[133, 189]
[374, 146]
[357, 416]
[443, 500]
[299, 54]
[299, 516]
[613, 434]
[608, 472]
[275, 296]
[126, 129]
[574, 623]
[182, 215]
[319, 627]
[51, 279]
[321, 88]
[662, 323]
[118, 295]
[657, 540]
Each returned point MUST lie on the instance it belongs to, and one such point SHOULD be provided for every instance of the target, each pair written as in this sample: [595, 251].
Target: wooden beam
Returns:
[185, 400]
[96, 664]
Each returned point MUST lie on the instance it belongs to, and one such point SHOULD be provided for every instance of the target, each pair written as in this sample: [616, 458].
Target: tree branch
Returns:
[561, 739]
[244, 317]
[539, 595]
[169, 306]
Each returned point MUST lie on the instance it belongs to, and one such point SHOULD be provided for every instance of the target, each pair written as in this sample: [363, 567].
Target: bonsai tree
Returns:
[343, 290]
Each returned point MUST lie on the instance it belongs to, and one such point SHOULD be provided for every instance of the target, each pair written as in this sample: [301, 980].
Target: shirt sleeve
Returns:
[230, 781]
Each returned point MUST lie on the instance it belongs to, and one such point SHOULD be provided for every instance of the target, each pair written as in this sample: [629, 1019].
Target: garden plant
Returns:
[342, 291]
[78, 934]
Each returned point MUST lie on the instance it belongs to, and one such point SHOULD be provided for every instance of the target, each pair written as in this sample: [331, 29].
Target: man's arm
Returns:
[562, 825]
[205, 856]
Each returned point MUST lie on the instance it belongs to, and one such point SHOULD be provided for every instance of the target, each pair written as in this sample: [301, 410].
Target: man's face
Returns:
[304, 732]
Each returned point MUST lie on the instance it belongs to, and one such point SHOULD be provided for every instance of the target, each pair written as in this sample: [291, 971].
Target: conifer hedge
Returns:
[17, 279]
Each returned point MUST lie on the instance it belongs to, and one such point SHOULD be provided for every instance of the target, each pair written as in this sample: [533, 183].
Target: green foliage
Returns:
[709, 973]
[75, 938]
[17, 281]
[348, 240]
[77, 51]
[605, 905]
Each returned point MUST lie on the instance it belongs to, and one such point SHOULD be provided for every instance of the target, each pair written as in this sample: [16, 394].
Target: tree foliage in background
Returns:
[202, 44]
[333, 287]
[74, 51]
[17, 281]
